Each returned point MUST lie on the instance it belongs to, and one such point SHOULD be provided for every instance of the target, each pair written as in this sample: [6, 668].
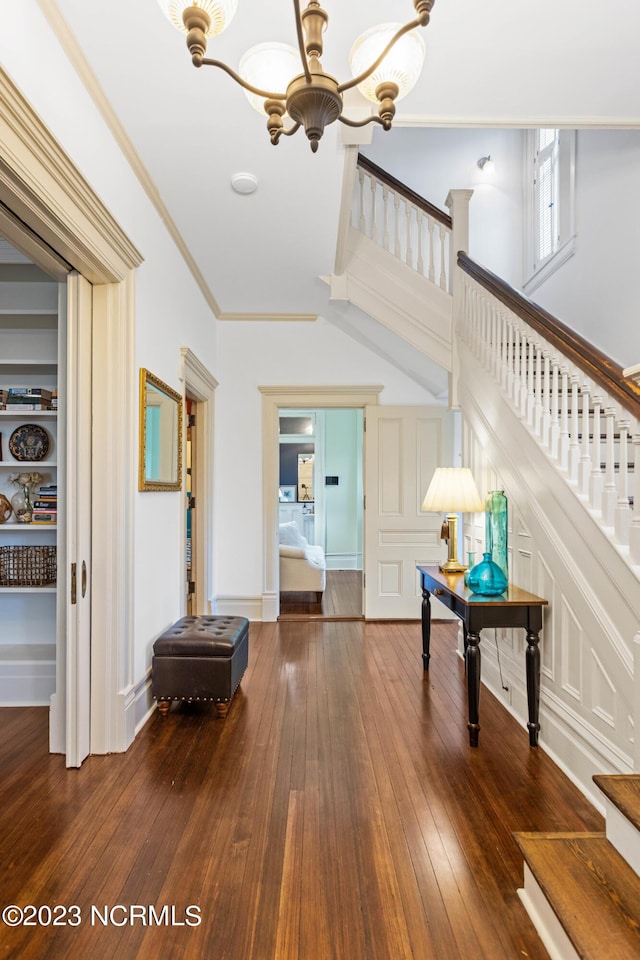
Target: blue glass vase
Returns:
[486, 578]
[496, 529]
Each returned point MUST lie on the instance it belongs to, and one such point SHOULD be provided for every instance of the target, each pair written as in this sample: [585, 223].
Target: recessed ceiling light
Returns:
[244, 183]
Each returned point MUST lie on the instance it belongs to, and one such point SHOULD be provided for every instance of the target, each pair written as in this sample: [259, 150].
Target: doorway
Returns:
[320, 494]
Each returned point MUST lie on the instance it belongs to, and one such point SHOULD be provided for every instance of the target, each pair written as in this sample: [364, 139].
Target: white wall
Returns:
[274, 353]
[434, 161]
[170, 310]
[597, 291]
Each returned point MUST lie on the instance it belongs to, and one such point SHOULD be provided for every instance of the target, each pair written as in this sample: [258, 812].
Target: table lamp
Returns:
[453, 490]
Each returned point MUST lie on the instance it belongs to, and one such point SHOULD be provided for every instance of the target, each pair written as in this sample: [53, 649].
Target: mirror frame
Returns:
[148, 378]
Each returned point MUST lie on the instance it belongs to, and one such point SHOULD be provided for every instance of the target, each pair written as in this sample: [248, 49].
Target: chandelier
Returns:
[385, 62]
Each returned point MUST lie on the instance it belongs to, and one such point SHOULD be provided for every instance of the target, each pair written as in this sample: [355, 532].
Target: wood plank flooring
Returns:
[342, 599]
[338, 813]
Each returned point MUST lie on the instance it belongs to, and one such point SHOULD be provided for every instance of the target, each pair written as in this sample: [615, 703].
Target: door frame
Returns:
[275, 398]
[52, 214]
[199, 383]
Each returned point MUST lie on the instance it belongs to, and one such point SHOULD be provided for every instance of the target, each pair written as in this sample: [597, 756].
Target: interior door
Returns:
[403, 446]
[77, 501]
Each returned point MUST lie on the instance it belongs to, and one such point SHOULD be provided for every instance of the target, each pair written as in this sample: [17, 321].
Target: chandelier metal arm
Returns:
[299, 30]
[286, 133]
[243, 83]
[376, 63]
[361, 123]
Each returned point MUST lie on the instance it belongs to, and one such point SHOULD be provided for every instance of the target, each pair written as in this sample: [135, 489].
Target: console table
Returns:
[515, 608]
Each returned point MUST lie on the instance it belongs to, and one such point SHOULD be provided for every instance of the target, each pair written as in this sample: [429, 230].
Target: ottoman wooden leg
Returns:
[222, 710]
[163, 707]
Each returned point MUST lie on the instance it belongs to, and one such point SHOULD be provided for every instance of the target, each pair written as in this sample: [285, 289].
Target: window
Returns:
[550, 220]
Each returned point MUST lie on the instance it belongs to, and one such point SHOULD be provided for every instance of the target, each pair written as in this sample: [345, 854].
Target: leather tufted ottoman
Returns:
[200, 658]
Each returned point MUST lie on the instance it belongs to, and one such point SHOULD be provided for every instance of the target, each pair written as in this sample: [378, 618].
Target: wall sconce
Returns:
[487, 166]
[453, 490]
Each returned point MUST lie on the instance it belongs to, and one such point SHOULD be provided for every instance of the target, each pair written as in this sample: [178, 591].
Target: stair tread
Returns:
[592, 890]
[623, 790]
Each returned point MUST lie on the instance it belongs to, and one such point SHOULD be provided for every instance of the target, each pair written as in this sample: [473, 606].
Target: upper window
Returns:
[550, 220]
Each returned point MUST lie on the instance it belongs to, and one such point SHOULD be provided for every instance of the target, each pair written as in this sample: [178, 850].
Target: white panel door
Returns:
[403, 446]
[77, 503]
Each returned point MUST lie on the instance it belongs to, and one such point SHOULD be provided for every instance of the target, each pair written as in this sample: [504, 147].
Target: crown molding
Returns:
[41, 188]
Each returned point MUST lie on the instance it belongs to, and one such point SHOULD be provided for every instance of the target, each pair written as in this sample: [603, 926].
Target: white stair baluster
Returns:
[363, 221]
[372, 199]
[622, 521]
[443, 245]
[596, 482]
[574, 446]
[385, 217]
[554, 429]
[610, 491]
[545, 424]
[432, 267]
[564, 419]
[634, 532]
[409, 251]
[396, 233]
[420, 260]
[584, 469]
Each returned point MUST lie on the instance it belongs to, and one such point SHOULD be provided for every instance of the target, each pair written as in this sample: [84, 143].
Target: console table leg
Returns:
[472, 662]
[532, 660]
[426, 629]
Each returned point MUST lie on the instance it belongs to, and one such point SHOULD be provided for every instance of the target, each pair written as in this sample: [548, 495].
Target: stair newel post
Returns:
[457, 203]
[574, 446]
[634, 532]
[597, 477]
[623, 508]
[545, 423]
[554, 428]
[584, 470]
[610, 492]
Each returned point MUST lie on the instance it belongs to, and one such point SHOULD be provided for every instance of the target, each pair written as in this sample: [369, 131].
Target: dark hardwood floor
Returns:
[341, 600]
[338, 813]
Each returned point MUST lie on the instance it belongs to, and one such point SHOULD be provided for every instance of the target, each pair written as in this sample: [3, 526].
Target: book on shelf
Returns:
[43, 523]
[43, 392]
[23, 405]
[47, 488]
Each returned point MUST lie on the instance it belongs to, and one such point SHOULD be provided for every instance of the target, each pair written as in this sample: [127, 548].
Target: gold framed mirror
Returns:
[160, 456]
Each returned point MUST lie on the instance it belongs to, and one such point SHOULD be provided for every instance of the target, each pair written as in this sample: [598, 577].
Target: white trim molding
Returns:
[296, 397]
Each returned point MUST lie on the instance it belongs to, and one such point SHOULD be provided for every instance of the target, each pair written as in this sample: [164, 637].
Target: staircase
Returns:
[555, 424]
[582, 890]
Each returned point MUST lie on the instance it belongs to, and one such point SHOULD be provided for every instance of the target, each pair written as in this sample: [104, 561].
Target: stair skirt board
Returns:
[549, 928]
[623, 836]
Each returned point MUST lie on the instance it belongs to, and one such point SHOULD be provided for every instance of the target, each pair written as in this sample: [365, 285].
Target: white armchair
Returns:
[302, 565]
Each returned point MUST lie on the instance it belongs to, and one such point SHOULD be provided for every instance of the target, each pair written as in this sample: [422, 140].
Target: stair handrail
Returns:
[592, 361]
[404, 191]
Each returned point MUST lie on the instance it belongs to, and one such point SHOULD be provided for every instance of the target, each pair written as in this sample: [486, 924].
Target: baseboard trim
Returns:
[27, 681]
[253, 608]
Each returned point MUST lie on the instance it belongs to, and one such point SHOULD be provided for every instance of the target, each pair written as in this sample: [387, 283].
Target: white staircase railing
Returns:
[403, 223]
[574, 399]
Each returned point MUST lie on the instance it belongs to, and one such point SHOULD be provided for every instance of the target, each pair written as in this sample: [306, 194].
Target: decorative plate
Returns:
[29, 442]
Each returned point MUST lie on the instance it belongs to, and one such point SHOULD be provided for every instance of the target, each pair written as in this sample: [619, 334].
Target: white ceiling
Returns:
[494, 62]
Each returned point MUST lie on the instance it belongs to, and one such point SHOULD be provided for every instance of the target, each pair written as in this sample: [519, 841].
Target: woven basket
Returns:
[27, 566]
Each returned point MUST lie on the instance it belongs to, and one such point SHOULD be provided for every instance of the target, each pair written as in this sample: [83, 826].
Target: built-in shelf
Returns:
[18, 367]
[29, 466]
[27, 527]
[29, 414]
[28, 589]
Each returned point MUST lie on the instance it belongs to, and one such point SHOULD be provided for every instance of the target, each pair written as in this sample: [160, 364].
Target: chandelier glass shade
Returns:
[220, 13]
[401, 66]
[281, 81]
[268, 66]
